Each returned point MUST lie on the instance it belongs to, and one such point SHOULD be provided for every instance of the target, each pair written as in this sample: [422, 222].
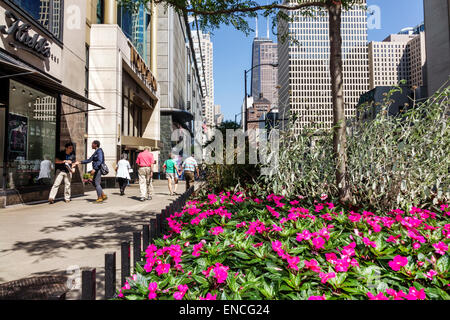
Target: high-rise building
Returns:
[203, 47]
[265, 77]
[437, 25]
[303, 70]
[398, 57]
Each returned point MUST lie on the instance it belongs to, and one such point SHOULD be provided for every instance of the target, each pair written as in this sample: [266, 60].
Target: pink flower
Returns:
[240, 225]
[379, 296]
[276, 228]
[162, 268]
[318, 243]
[317, 297]
[197, 248]
[367, 242]
[182, 289]
[396, 295]
[209, 296]
[312, 265]
[273, 212]
[293, 262]
[220, 272]
[217, 230]
[414, 294]
[152, 287]
[305, 235]
[256, 245]
[430, 274]
[331, 257]
[440, 247]
[398, 262]
[323, 196]
[342, 265]
[325, 276]
[416, 245]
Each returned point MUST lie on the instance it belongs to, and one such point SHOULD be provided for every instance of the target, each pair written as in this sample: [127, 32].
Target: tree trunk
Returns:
[337, 92]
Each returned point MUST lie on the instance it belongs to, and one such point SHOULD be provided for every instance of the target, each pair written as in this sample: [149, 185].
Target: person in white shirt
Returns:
[123, 173]
[45, 171]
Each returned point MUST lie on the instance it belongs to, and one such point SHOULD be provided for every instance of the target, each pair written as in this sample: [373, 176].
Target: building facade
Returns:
[303, 69]
[400, 56]
[120, 78]
[203, 47]
[43, 102]
[181, 87]
[264, 78]
[437, 25]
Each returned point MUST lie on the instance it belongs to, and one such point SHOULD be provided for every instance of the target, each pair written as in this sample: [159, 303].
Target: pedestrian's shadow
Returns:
[135, 198]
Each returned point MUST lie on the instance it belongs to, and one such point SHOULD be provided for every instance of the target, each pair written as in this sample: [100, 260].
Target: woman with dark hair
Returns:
[97, 159]
[123, 173]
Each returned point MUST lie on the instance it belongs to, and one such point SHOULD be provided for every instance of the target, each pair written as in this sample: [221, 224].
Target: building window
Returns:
[48, 13]
[31, 135]
[100, 11]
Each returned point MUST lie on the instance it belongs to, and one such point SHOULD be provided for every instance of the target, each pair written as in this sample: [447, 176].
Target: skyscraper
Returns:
[264, 78]
[437, 26]
[303, 70]
[205, 65]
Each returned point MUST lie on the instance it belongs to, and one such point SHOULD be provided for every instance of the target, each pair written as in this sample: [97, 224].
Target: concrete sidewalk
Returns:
[48, 239]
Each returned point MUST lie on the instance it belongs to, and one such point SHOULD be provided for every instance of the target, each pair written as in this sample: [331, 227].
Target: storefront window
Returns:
[31, 136]
[47, 12]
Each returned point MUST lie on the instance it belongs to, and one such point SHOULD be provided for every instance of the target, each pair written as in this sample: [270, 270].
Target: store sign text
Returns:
[142, 68]
[38, 45]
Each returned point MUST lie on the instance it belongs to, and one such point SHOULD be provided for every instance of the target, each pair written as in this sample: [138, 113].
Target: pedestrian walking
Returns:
[64, 164]
[145, 161]
[97, 159]
[123, 173]
[190, 166]
[45, 171]
[171, 169]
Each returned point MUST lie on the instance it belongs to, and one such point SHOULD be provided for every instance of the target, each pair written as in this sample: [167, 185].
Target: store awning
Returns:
[136, 143]
[13, 68]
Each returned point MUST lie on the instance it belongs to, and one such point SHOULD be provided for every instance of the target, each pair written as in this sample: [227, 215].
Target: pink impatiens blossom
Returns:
[293, 262]
[416, 245]
[162, 268]
[182, 289]
[331, 257]
[317, 297]
[209, 296]
[312, 265]
[216, 230]
[325, 276]
[368, 243]
[323, 196]
[318, 243]
[398, 262]
[152, 287]
[276, 228]
[256, 245]
[379, 296]
[273, 211]
[440, 247]
[197, 248]
[415, 294]
[430, 274]
[220, 272]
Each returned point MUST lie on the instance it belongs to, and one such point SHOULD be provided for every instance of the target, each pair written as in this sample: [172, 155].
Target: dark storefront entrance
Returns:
[33, 108]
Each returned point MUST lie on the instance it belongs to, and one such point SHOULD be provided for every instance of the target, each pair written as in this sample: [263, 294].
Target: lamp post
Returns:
[235, 116]
[245, 84]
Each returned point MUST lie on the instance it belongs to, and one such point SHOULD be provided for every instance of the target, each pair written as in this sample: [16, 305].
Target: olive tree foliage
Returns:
[211, 14]
[393, 161]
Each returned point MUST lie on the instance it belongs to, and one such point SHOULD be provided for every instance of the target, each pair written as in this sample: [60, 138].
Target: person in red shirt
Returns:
[145, 161]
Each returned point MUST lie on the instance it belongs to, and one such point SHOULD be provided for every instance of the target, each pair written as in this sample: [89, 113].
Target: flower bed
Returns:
[240, 247]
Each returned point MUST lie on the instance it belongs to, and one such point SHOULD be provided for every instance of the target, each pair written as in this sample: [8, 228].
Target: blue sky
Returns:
[232, 49]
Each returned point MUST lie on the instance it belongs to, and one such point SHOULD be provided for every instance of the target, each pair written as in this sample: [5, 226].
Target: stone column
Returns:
[110, 12]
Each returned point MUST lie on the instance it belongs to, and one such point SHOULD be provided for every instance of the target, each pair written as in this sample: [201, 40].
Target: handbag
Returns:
[104, 170]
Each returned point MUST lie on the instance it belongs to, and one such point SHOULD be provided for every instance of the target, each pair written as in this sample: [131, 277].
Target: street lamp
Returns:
[235, 116]
[245, 84]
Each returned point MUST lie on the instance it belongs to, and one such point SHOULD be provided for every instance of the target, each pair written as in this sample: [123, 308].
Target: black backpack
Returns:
[104, 170]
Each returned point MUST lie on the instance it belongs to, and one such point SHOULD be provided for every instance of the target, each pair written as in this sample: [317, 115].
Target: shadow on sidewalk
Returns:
[110, 229]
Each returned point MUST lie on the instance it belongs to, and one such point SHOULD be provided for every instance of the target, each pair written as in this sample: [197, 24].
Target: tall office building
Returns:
[398, 57]
[303, 70]
[437, 25]
[203, 47]
[264, 78]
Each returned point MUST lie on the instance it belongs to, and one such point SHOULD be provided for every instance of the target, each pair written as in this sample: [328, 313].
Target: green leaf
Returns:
[241, 255]
[443, 264]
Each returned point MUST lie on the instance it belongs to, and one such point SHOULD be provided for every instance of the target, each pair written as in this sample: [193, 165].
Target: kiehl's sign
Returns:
[142, 68]
[20, 31]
